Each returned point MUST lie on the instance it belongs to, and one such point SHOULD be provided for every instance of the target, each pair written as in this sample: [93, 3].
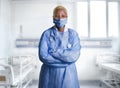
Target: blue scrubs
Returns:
[58, 52]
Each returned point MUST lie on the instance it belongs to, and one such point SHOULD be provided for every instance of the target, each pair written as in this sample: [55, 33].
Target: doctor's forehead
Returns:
[59, 8]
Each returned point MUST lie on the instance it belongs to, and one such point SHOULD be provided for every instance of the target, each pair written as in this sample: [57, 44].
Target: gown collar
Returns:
[55, 31]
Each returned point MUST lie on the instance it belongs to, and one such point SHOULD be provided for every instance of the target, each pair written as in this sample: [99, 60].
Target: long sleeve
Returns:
[44, 55]
[69, 55]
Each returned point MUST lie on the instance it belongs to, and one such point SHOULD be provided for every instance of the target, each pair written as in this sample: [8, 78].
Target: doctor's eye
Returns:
[60, 16]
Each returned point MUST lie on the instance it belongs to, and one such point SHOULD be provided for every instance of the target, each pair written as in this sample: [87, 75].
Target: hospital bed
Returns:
[17, 71]
[111, 63]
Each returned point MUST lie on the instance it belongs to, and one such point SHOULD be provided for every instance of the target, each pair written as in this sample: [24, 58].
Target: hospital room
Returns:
[80, 50]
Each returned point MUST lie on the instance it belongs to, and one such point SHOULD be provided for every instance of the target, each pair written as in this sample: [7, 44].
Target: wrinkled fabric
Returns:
[58, 52]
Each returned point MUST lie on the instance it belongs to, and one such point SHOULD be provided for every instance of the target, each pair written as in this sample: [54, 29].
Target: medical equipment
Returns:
[17, 71]
[110, 63]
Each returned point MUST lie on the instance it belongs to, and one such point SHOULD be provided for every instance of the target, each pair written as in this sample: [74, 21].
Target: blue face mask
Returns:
[60, 22]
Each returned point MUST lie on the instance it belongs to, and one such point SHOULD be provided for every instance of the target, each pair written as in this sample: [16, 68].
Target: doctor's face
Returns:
[60, 14]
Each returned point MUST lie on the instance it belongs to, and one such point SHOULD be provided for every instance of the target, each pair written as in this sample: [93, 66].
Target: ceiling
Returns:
[54, 1]
[45, 1]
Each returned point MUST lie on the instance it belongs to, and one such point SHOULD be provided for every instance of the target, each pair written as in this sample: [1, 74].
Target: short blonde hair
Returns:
[59, 8]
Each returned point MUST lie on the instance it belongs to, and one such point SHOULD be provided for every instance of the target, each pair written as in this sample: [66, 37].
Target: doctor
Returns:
[59, 49]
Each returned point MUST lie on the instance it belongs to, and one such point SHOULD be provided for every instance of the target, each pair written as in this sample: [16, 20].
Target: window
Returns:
[113, 19]
[82, 23]
[100, 16]
[97, 19]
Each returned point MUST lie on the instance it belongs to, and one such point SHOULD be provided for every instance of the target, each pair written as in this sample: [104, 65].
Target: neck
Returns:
[61, 29]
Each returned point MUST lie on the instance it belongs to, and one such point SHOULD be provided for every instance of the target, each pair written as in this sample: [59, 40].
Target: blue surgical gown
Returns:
[58, 52]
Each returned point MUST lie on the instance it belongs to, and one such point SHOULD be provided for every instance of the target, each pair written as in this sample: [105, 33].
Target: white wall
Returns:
[5, 27]
[34, 17]
[119, 26]
[86, 64]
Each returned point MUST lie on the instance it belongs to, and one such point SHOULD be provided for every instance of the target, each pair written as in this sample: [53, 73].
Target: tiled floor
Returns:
[83, 84]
